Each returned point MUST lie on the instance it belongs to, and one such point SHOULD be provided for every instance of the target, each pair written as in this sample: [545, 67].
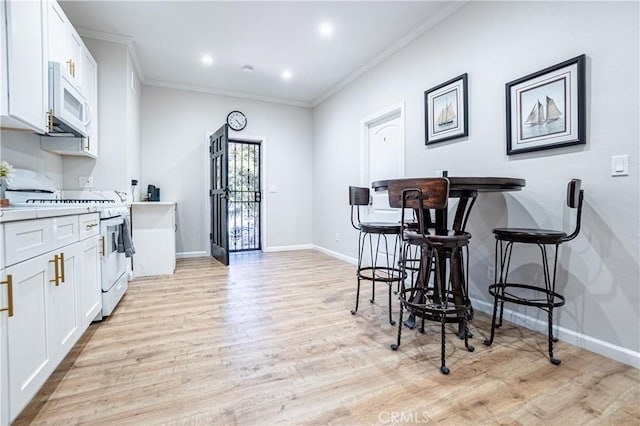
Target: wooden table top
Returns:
[468, 183]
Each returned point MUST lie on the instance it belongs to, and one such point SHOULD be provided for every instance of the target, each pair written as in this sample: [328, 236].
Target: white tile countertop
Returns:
[10, 214]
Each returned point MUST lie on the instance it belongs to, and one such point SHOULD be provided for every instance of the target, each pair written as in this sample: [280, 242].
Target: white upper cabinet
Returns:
[24, 67]
[67, 48]
[90, 88]
[65, 45]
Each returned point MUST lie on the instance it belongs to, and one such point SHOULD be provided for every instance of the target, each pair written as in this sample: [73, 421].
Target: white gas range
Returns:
[31, 190]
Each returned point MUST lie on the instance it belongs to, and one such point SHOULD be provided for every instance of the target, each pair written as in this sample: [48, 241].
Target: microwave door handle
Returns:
[89, 113]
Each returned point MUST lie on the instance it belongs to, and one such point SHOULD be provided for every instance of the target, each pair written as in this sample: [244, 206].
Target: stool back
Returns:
[357, 197]
[575, 194]
[421, 195]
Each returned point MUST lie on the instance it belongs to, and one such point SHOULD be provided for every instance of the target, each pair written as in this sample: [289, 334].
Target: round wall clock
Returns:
[236, 120]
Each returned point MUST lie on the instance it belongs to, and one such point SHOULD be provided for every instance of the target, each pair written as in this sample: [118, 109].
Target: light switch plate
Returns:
[620, 165]
[272, 189]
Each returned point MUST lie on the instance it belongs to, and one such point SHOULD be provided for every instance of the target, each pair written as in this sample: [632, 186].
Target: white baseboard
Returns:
[287, 248]
[187, 254]
[337, 255]
[592, 344]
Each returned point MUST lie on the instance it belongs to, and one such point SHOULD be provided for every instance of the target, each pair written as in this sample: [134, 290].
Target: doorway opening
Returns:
[244, 222]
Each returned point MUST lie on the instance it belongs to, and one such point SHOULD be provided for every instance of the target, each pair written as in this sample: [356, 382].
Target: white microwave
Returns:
[69, 112]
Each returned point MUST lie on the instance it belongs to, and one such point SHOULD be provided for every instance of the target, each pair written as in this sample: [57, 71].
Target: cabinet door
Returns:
[89, 283]
[63, 315]
[90, 89]
[65, 45]
[26, 65]
[29, 357]
[4, 398]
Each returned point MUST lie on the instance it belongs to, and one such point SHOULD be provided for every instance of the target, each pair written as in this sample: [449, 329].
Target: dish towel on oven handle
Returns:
[125, 244]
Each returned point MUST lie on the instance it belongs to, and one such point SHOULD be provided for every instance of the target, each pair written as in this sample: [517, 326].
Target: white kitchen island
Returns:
[154, 237]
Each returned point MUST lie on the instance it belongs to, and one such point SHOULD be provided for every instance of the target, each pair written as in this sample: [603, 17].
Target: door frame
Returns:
[365, 124]
[234, 136]
[261, 187]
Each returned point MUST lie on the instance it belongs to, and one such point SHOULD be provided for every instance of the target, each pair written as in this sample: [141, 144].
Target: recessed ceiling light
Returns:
[207, 59]
[286, 75]
[325, 29]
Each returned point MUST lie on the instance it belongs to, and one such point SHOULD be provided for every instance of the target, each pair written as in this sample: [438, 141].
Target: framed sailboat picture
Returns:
[446, 111]
[546, 109]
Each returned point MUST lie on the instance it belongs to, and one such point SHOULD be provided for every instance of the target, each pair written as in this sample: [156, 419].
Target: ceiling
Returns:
[169, 38]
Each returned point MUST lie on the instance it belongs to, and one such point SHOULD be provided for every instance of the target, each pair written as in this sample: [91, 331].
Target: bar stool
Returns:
[380, 267]
[446, 301]
[545, 298]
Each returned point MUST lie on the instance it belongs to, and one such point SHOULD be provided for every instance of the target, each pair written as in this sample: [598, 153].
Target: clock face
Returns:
[236, 120]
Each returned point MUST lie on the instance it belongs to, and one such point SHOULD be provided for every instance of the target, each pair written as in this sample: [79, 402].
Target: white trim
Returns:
[221, 92]
[580, 340]
[439, 16]
[337, 255]
[187, 254]
[288, 248]
[115, 38]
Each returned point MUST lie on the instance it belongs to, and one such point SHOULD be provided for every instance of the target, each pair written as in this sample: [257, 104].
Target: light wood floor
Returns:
[271, 340]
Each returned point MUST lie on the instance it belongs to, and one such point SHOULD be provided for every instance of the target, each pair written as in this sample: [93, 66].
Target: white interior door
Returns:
[383, 159]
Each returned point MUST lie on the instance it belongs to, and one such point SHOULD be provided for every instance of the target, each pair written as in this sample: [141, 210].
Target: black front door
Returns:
[219, 194]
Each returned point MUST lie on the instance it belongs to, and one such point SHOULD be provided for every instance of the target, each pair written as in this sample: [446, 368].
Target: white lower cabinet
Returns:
[55, 296]
[4, 304]
[91, 290]
[45, 322]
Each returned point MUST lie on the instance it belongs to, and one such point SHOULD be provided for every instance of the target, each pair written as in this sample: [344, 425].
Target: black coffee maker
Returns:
[153, 193]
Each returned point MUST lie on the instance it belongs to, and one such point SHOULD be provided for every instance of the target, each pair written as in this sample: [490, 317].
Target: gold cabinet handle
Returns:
[9, 283]
[50, 120]
[69, 66]
[73, 68]
[62, 266]
[91, 225]
[55, 270]
[102, 251]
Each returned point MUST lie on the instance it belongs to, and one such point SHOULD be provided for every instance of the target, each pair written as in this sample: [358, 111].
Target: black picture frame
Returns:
[446, 111]
[546, 109]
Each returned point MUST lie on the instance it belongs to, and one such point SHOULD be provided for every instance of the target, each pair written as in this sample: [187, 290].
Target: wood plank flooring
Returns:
[270, 340]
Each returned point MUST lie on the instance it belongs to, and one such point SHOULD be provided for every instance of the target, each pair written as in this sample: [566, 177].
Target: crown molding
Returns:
[116, 38]
[430, 23]
[229, 93]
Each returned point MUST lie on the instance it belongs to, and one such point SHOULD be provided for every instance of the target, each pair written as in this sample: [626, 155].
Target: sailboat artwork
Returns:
[543, 114]
[447, 115]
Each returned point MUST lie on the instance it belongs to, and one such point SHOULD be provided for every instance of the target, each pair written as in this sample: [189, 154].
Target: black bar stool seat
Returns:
[382, 265]
[440, 256]
[380, 227]
[542, 296]
[530, 235]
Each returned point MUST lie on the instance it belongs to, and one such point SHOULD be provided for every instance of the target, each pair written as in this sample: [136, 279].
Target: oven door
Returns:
[114, 264]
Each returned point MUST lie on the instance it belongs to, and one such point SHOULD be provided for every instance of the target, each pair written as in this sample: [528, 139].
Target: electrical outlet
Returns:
[85, 182]
[337, 237]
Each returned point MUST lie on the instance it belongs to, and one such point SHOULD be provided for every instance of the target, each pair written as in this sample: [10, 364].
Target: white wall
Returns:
[22, 150]
[175, 158]
[496, 43]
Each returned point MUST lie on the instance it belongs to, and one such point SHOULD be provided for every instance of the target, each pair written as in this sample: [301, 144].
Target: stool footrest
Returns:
[381, 274]
[433, 311]
[508, 292]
